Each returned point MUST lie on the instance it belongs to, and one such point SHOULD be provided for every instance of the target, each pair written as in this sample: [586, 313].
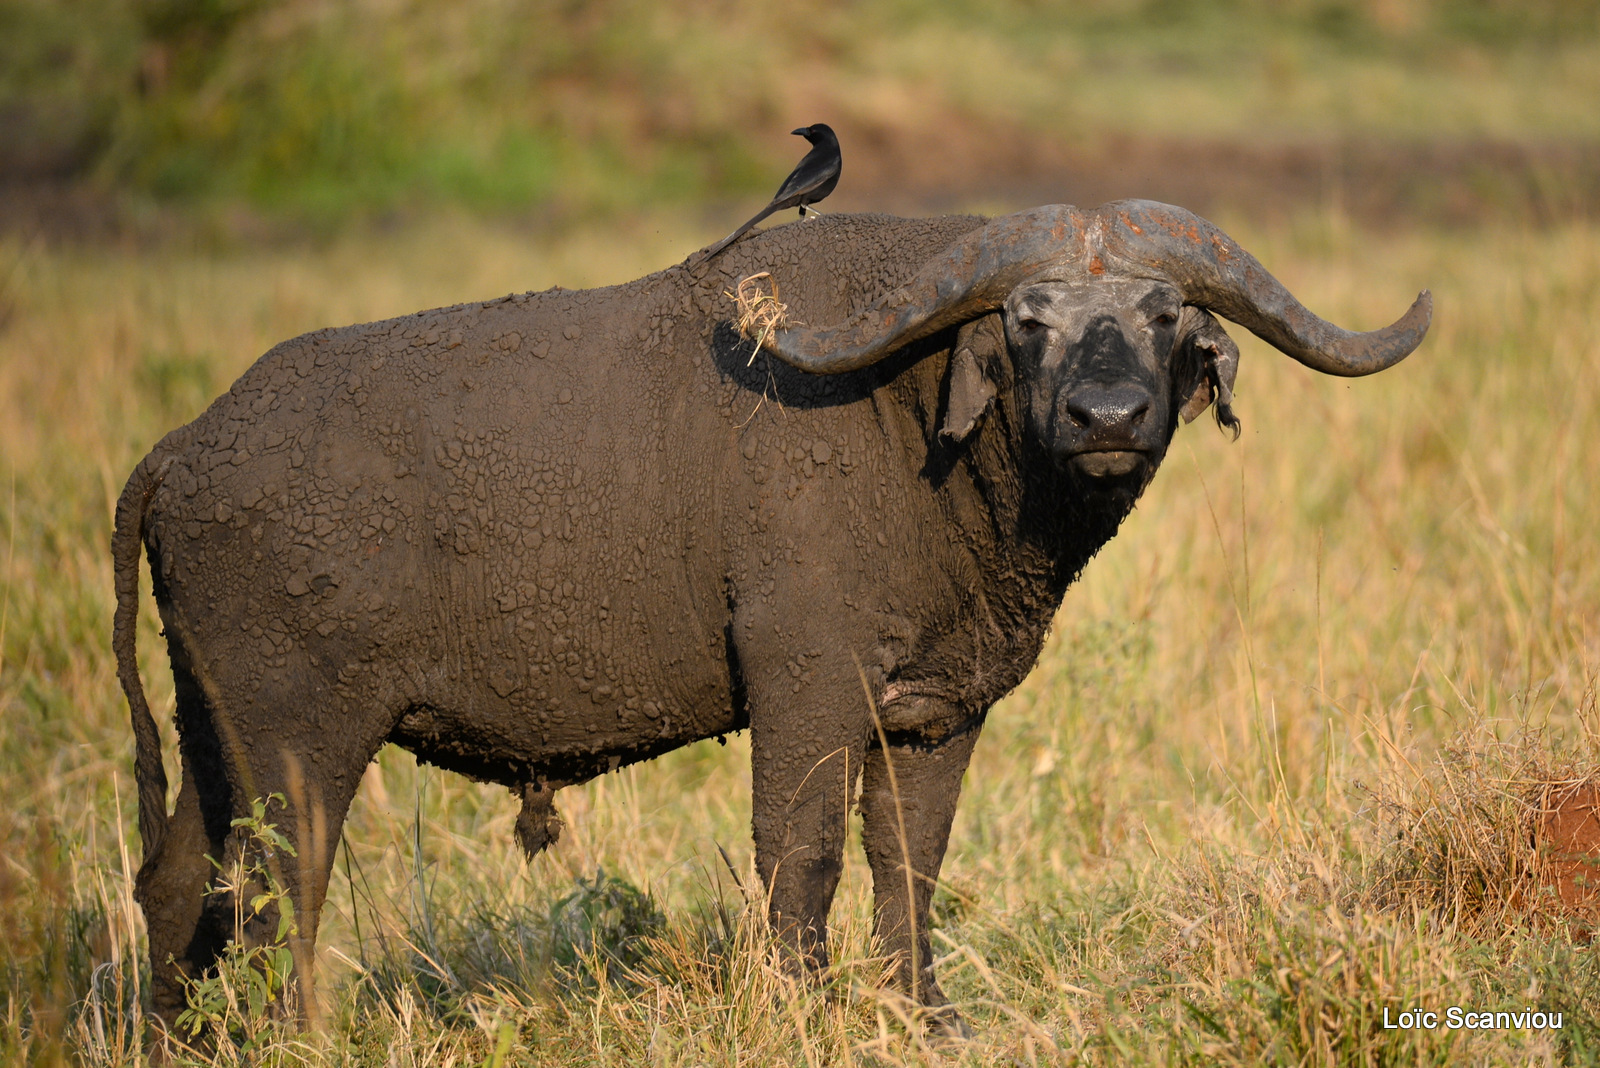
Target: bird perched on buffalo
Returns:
[812, 179]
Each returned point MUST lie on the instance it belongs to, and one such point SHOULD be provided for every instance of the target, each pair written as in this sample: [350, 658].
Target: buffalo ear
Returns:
[1207, 364]
[969, 387]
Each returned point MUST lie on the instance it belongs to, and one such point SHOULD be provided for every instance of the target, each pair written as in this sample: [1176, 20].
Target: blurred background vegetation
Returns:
[327, 110]
[1275, 772]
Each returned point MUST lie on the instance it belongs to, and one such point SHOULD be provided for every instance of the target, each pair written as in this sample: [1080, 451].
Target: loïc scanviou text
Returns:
[1456, 1018]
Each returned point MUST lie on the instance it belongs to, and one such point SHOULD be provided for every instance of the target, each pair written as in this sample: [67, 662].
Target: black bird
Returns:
[812, 179]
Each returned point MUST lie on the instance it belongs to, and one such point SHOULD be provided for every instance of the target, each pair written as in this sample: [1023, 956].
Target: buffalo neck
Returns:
[1032, 525]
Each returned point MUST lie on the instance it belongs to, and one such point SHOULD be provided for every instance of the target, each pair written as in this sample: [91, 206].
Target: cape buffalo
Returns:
[539, 538]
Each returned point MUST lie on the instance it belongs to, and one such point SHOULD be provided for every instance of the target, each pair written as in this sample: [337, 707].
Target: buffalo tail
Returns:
[127, 541]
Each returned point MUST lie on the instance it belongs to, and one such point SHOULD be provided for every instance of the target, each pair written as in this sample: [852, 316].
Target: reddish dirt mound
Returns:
[1569, 840]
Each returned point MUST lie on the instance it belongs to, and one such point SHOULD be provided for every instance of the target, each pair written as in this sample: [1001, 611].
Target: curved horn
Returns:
[971, 277]
[1215, 273]
[1138, 237]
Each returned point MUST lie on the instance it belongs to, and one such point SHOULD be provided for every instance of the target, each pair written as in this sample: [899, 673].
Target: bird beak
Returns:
[804, 131]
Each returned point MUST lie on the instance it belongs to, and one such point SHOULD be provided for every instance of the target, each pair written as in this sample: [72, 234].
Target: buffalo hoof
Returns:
[945, 1026]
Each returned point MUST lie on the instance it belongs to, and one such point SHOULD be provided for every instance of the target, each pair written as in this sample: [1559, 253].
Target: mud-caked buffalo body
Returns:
[538, 538]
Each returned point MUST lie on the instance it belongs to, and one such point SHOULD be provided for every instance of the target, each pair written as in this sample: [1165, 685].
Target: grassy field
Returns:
[1275, 773]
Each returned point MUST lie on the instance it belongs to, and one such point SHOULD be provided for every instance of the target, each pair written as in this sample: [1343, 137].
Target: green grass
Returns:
[327, 112]
[1272, 775]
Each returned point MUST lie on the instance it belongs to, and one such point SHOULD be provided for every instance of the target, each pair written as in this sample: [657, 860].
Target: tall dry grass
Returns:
[1200, 831]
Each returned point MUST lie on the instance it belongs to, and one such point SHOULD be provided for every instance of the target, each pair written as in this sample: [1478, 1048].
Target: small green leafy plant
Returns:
[231, 1000]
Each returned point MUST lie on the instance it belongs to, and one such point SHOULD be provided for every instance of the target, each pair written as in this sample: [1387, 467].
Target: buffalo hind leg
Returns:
[186, 927]
[295, 738]
[317, 783]
[908, 800]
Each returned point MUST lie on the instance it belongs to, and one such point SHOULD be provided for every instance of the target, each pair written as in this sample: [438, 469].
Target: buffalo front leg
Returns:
[908, 800]
[806, 754]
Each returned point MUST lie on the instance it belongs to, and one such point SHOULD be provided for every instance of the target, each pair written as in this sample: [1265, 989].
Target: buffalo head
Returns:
[1093, 367]
[1106, 319]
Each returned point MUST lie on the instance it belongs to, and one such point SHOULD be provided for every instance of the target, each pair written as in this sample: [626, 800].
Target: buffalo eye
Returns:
[1164, 319]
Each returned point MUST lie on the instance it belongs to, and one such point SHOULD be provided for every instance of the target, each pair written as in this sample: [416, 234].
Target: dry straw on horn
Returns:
[761, 314]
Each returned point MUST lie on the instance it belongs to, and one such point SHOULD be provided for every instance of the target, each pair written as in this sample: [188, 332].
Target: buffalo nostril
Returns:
[1115, 408]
